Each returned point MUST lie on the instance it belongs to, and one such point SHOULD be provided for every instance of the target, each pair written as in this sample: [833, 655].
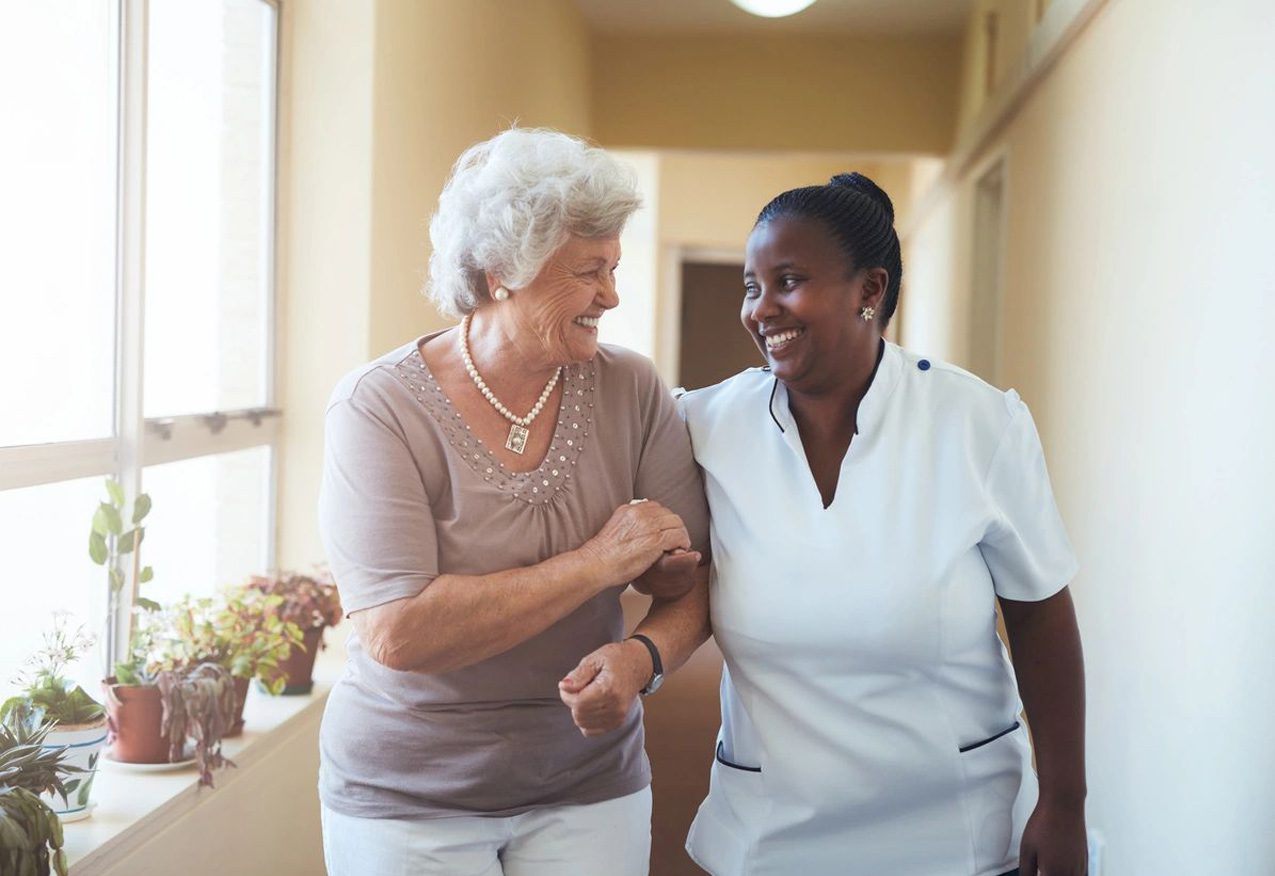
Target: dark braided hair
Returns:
[861, 218]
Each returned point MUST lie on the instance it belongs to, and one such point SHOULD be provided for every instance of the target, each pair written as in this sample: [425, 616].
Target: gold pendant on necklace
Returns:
[517, 439]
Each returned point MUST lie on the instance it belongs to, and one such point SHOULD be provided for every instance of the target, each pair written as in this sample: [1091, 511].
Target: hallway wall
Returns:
[377, 101]
[1140, 304]
[785, 92]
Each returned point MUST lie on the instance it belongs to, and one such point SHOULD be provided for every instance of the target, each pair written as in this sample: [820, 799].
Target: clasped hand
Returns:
[602, 688]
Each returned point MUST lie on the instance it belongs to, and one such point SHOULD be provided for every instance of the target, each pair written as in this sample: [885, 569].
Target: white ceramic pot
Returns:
[84, 744]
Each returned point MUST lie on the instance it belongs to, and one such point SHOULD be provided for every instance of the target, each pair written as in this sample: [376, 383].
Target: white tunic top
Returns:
[869, 711]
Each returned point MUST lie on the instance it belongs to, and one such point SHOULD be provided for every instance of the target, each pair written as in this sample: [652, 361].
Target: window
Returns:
[136, 300]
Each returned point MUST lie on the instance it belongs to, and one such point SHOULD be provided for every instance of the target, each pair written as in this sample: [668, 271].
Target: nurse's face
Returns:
[802, 304]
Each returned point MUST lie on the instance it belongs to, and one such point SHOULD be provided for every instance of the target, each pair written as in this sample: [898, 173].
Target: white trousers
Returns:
[611, 838]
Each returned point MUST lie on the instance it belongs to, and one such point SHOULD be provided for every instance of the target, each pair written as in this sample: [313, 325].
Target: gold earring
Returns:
[501, 294]
[867, 313]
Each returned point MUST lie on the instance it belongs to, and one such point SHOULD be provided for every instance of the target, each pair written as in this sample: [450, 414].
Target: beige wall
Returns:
[449, 74]
[1139, 308]
[380, 99]
[707, 202]
[784, 93]
[325, 241]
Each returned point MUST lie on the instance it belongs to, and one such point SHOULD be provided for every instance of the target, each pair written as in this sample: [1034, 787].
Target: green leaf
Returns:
[125, 544]
[99, 522]
[117, 580]
[113, 522]
[117, 492]
[146, 574]
[148, 604]
[97, 547]
[141, 508]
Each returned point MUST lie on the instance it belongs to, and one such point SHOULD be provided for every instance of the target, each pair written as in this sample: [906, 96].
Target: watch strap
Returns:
[657, 665]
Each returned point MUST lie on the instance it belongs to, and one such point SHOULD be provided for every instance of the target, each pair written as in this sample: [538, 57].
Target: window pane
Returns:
[45, 533]
[57, 220]
[210, 137]
[210, 523]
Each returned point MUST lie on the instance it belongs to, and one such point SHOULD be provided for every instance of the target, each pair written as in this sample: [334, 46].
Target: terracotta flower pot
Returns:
[134, 714]
[241, 696]
[299, 665]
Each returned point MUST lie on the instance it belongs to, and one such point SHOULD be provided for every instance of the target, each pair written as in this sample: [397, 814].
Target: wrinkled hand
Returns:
[601, 690]
[671, 576]
[635, 537]
[1054, 842]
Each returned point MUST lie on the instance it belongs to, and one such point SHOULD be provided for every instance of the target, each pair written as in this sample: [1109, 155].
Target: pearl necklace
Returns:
[518, 430]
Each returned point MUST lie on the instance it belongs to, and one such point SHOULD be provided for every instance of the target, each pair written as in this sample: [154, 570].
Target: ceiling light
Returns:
[772, 8]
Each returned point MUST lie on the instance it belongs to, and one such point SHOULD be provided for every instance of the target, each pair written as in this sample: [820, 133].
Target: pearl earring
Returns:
[867, 313]
[501, 294]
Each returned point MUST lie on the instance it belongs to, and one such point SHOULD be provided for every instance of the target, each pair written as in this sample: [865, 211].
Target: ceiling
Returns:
[892, 17]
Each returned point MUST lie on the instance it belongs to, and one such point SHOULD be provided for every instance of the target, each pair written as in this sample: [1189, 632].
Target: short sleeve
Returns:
[667, 471]
[1026, 546]
[374, 514]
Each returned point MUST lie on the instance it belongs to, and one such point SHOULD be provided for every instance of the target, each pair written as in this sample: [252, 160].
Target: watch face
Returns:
[656, 681]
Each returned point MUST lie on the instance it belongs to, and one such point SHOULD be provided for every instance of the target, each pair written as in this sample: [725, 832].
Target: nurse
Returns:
[869, 509]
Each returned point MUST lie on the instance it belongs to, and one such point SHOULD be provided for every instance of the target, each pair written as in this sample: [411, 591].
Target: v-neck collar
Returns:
[871, 407]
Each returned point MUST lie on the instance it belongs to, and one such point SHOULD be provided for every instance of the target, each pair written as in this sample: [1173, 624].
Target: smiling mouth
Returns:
[783, 339]
[587, 321]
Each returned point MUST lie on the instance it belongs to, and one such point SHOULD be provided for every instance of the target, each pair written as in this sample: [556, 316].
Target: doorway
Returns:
[987, 294]
[713, 345]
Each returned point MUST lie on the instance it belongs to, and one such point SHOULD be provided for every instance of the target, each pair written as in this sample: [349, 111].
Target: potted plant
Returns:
[162, 695]
[30, 832]
[242, 631]
[112, 546]
[312, 603]
[77, 721]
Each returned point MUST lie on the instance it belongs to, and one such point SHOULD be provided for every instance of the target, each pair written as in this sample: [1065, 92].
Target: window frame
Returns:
[138, 442]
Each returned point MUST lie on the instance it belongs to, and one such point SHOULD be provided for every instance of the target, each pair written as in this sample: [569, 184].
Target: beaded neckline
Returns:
[571, 432]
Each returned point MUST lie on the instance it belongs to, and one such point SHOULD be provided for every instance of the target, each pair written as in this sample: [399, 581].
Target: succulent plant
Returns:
[30, 832]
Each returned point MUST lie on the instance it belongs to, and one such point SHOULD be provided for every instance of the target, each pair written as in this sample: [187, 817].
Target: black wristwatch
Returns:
[657, 666]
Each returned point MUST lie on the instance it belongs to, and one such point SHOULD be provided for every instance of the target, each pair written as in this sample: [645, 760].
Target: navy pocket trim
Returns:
[724, 762]
[991, 739]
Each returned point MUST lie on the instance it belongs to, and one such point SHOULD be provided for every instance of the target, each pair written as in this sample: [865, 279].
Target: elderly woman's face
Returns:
[562, 306]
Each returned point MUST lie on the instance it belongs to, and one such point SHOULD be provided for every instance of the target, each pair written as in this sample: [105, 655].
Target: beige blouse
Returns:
[409, 494]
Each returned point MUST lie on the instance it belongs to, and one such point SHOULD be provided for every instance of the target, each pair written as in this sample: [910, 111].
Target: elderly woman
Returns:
[881, 506]
[489, 490]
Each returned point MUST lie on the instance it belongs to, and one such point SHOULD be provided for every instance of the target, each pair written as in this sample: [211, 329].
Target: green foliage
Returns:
[240, 630]
[110, 542]
[24, 763]
[30, 835]
[45, 687]
[30, 832]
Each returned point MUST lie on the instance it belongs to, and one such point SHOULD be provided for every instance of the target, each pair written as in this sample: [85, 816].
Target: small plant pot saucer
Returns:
[77, 815]
[146, 767]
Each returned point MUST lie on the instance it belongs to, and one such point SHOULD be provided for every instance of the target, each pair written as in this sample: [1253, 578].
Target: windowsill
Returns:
[132, 806]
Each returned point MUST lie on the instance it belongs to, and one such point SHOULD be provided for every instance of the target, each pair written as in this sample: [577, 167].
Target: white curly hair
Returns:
[511, 201]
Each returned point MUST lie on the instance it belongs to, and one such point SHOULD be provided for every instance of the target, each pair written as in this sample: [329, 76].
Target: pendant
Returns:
[517, 438]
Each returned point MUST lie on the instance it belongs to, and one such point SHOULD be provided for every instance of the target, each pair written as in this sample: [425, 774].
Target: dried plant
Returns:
[199, 703]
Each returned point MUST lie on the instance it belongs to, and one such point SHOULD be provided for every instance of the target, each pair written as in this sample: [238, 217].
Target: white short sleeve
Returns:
[374, 514]
[1026, 546]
